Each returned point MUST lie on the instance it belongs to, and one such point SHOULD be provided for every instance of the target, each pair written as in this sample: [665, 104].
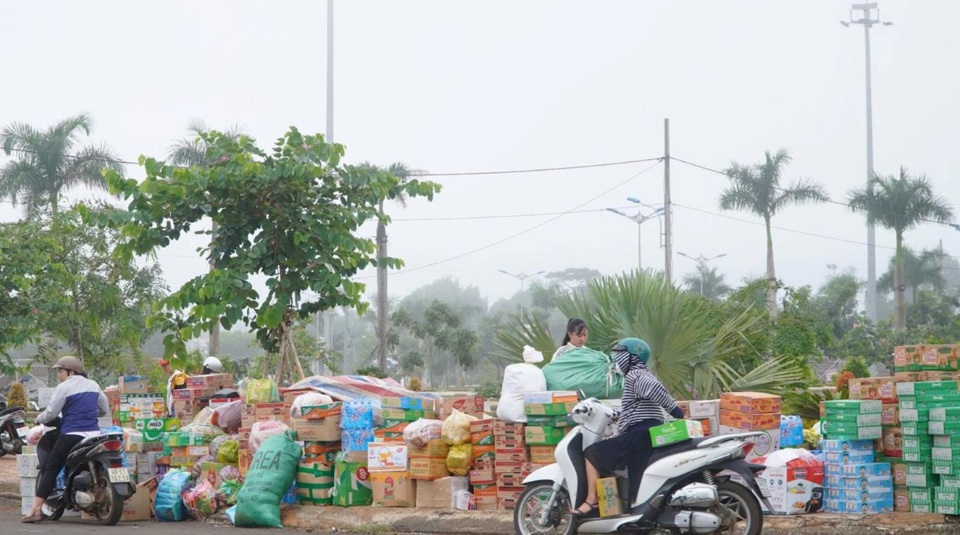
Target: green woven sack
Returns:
[271, 473]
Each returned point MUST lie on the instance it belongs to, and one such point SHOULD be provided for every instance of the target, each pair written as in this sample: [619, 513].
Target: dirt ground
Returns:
[9, 480]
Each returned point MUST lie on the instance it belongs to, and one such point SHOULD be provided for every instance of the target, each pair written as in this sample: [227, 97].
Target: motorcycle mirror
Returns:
[581, 395]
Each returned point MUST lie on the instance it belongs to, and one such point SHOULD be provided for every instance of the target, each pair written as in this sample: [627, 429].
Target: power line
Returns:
[828, 201]
[505, 216]
[419, 173]
[525, 231]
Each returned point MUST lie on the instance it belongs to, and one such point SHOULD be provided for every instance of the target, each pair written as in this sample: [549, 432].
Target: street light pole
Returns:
[868, 16]
[702, 265]
[639, 219]
[521, 277]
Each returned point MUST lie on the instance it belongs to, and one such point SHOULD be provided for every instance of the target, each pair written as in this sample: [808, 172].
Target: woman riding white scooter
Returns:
[79, 403]
[643, 404]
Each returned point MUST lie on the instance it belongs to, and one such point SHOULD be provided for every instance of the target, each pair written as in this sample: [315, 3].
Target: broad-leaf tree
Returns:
[756, 189]
[442, 336]
[900, 203]
[192, 150]
[48, 162]
[290, 216]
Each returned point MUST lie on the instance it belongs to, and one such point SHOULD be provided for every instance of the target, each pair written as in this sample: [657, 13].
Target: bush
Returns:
[372, 371]
[18, 396]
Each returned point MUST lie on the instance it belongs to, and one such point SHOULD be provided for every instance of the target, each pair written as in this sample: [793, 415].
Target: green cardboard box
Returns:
[548, 409]
[675, 431]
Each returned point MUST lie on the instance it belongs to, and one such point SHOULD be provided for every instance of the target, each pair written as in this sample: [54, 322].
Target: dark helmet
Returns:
[636, 347]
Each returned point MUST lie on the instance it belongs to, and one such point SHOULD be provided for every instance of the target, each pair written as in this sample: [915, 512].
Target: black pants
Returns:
[51, 463]
[630, 449]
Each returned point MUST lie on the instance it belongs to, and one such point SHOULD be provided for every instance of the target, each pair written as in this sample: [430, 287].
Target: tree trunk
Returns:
[771, 273]
[900, 319]
[382, 301]
[214, 348]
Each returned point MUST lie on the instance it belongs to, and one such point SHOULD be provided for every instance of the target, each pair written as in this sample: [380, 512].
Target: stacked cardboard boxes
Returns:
[390, 478]
[511, 461]
[398, 412]
[853, 482]
[429, 462]
[752, 411]
[547, 421]
[707, 412]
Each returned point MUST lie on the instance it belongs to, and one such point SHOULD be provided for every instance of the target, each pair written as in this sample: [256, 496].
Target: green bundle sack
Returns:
[594, 372]
[228, 452]
[271, 473]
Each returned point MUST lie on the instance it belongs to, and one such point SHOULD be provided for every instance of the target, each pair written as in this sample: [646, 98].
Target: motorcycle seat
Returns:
[666, 451]
[98, 438]
[11, 410]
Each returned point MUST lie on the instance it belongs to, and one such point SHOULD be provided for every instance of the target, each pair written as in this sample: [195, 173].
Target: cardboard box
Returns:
[486, 476]
[472, 405]
[351, 483]
[542, 454]
[482, 438]
[549, 409]
[890, 415]
[510, 442]
[502, 428]
[796, 488]
[698, 410]
[864, 388]
[405, 402]
[244, 458]
[557, 396]
[322, 430]
[438, 494]
[608, 496]
[484, 425]
[677, 431]
[140, 506]
[892, 442]
[750, 402]
[434, 448]
[134, 384]
[387, 457]
[513, 468]
[749, 421]
[316, 412]
[393, 489]
[887, 388]
[536, 435]
[428, 467]
[28, 465]
[217, 380]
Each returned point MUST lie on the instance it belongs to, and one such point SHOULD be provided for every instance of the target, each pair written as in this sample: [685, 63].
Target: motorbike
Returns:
[95, 480]
[13, 431]
[701, 485]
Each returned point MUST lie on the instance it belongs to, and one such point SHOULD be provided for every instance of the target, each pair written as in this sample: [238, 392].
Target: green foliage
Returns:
[806, 403]
[706, 281]
[857, 366]
[290, 216]
[48, 162]
[697, 346]
[18, 395]
[489, 389]
[532, 330]
[372, 371]
[442, 336]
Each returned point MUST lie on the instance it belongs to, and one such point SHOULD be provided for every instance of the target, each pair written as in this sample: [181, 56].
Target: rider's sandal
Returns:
[592, 511]
[34, 519]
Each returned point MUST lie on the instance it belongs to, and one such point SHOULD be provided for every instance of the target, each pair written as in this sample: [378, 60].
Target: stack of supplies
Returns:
[752, 411]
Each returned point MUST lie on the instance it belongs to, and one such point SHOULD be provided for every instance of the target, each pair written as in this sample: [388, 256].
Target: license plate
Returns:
[22, 431]
[118, 475]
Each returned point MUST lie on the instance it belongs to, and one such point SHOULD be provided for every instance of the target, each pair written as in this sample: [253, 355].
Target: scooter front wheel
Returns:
[530, 506]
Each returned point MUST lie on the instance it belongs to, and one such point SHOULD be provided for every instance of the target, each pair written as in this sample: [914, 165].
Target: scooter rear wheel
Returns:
[110, 505]
[530, 504]
[745, 505]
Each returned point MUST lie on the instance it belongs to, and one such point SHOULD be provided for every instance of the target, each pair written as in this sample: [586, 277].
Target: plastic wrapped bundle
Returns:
[418, 433]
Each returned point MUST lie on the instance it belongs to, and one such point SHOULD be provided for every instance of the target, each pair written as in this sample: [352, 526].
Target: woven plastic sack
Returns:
[271, 473]
[458, 459]
[307, 399]
[264, 430]
[168, 506]
[594, 372]
[417, 434]
[229, 452]
[456, 428]
[261, 391]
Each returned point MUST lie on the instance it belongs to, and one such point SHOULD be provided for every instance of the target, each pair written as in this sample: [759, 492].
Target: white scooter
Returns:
[686, 487]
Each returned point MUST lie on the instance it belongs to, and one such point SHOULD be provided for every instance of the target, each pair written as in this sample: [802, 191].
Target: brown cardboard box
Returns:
[943, 355]
[750, 402]
[907, 355]
[608, 497]
[316, 412]
[387, 457]
[482, 477]
[325, 430]
[513, 455]
[901, 500]
[218, 380]
[438, 494]
[887, 388]
[908, 377]
[428, 468]
[542, 454]
[472, 405]
[512, 468]
[749, 421]
[502, 428]
[134, 384]
[504, 442]
[140, 505]
[890, 414]
[892, 442]
[434, 448]
[510, 480]
[899, 471]
[393, 489]
[487, 503]
[864, 388]
[484, 425]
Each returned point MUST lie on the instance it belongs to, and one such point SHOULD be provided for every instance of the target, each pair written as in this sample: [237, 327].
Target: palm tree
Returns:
[190, 151]
[900, 203]
[757, 189]
[401, 172]
[706, 281]
[49, 162]
[919, 271]
[697, 347]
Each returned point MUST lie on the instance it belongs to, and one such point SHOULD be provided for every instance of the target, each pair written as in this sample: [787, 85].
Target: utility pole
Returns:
[667, 206]
[328, 315]
[521, 277]
[868, 16]
[701, 265]
[639, 219]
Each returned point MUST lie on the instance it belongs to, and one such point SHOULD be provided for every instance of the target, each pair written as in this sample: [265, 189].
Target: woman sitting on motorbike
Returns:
[79, 402]
[643, 404]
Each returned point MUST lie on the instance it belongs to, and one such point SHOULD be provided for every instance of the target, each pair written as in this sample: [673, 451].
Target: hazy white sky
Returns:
[471, 86]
